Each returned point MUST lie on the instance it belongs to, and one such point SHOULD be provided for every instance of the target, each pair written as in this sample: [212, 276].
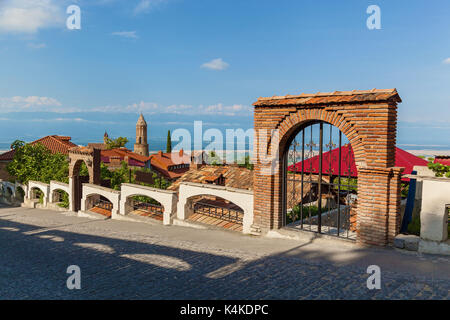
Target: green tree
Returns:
[439, 169]
[116, 143]
[17, 144]
[169, 143]
[36, 162]
[247, 163]
[214, 158]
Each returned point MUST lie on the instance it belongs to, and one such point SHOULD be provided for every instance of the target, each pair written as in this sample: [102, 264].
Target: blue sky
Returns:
[184, 60]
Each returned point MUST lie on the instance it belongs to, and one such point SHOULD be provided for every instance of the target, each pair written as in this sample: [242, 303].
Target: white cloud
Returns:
[145, 6]
[215, 64]
[126, 34]
[446, 61]
[28, 16]
[37, 45]
[154, 108]
[28, 104]
[47, 104]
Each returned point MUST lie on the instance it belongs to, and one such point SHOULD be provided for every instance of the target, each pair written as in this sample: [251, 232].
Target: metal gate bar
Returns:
[337, 192]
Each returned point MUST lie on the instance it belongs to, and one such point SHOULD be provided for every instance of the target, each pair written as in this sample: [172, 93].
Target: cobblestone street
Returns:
[127, 260]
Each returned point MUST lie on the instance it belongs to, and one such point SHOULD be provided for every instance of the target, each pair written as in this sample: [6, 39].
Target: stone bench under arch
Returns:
[44, 187]
[240, 197]
[167, 198]
[91, 190]
[57, 185]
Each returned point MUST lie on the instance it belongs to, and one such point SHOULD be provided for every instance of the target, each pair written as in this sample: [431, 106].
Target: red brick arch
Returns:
[369, 121]
[295, 120]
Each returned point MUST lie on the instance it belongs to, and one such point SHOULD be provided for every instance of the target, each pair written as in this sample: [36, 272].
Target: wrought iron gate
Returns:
[320, 191]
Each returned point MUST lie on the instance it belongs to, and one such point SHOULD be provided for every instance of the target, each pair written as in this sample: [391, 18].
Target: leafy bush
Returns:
[347, 184]
[120, 142]
[146, 200]
[295, 213]
[404, 189]
[439, 169]
[414, 226]
[64, 202]
[36, 162]
[246, 163]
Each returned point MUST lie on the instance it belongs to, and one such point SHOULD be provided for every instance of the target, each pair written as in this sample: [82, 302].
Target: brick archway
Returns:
[369, 121]
[91, 157]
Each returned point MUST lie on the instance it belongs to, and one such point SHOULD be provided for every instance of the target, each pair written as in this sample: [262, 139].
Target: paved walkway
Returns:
[127, 260]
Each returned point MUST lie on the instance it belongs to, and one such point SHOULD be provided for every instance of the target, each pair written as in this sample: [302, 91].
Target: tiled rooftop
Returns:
[56, 144]
[122, 153]
[336, 97]
[235, 177]
[162, 161]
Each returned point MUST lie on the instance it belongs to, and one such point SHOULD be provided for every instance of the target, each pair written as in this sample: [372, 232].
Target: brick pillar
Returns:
[378, 218]
[268, 211]
[394, 222]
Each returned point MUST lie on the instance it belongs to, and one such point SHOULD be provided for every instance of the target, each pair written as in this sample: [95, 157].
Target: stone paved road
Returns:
[123, 260]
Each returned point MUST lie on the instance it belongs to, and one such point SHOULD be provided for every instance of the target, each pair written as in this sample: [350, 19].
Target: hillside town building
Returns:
[165, 165]
[141, 145]
[113, 158]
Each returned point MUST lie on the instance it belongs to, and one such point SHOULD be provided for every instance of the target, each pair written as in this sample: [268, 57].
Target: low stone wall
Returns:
[90, 190]
[329, 218]
[434, 213]
[44, 187]
[56, 185]
[434, 195]
[240, 197]
[167, 198]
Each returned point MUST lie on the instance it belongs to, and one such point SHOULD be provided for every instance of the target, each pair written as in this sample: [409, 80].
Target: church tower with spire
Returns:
[141, 145]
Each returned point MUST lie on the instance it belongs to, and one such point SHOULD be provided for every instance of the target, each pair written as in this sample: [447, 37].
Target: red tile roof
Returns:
[235, 176]
[134, 158]
[162, 162]
[56, 144]
[7, 156]
[348, 167]
[337, 97]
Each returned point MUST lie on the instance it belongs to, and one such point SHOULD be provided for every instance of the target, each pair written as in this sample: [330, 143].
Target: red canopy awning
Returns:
[348, 168]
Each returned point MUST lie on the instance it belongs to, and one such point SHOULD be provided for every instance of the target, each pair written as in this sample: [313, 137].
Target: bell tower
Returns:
[141, 145]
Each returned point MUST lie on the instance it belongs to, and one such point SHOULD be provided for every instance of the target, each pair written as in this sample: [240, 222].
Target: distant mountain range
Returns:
[90, 126]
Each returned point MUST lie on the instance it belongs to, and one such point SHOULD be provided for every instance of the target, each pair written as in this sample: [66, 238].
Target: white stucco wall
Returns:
[112, 195]
[9, 185]
[167, 198]
[44, 187]
[434, 216]
[56, 185]
[240, 197]
[23, 186]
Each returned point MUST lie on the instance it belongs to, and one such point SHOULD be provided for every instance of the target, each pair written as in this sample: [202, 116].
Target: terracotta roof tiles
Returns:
[336, 97]
[56, 144]
[235, 177]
